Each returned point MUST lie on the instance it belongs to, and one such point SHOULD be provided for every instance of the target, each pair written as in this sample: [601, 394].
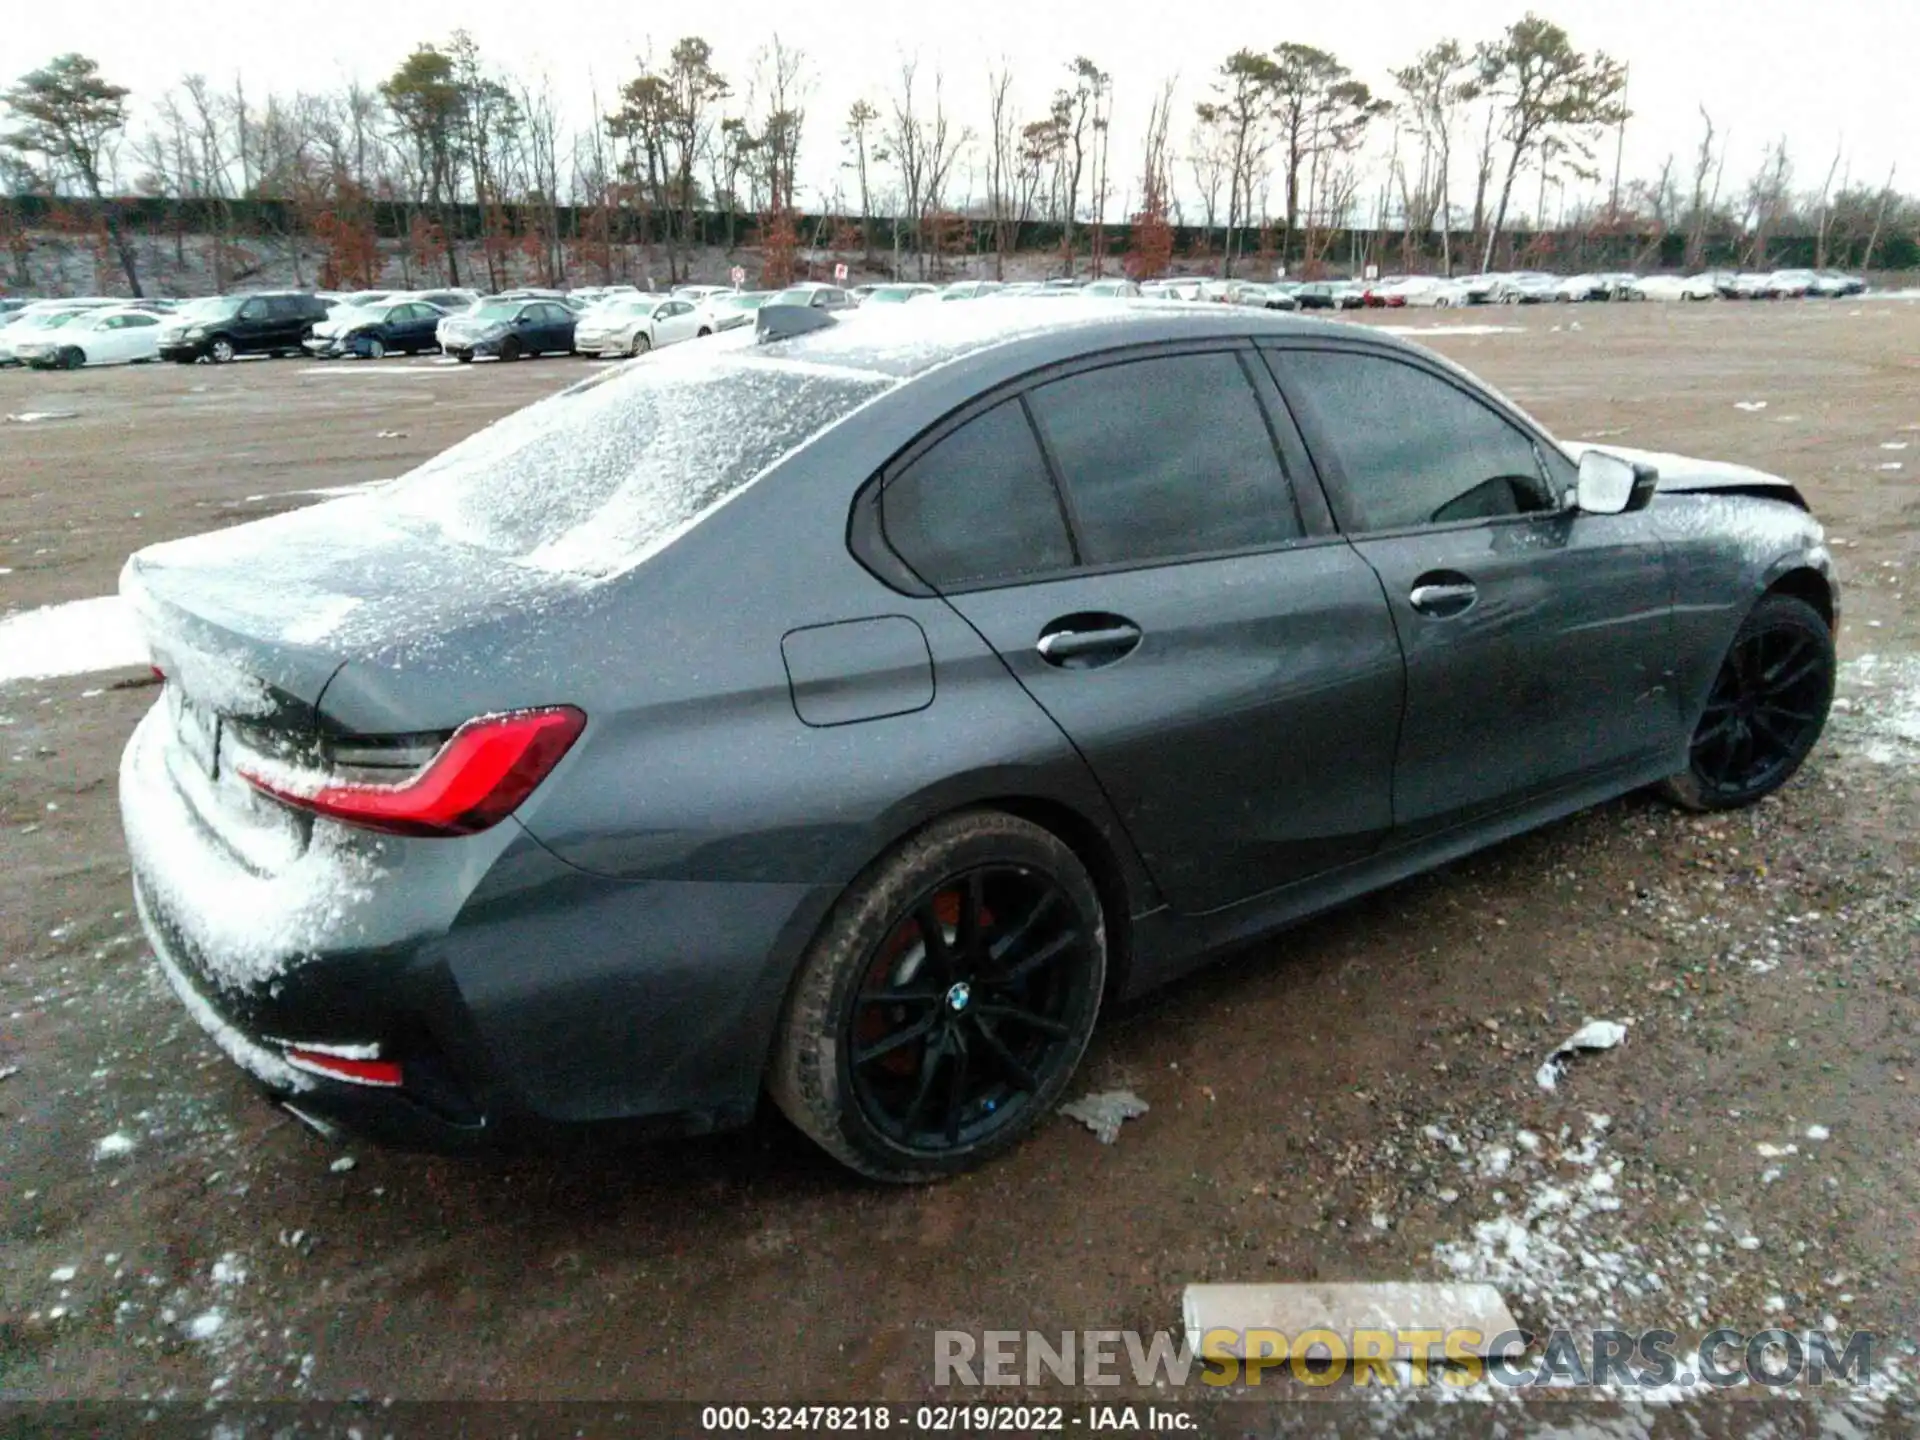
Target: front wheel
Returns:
[940, 1014]
[375, 348]
[72, 358]
[509, 349]
[220, 351]
[641, 345]
[1767, 707]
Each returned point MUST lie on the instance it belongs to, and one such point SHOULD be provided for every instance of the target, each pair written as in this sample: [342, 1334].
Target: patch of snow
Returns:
[323, 492]
[206, 1325]
[71, 639]
[1818, 1132]
[1882, 714]
[256, 1059]
[343, 1165]
[1103, 1113]
[64, 1274]
[32, 417]
[1750, 406]
[110, 1147]
[246, 925]
[229, 1269]
[1888, 465]
[1419, 330]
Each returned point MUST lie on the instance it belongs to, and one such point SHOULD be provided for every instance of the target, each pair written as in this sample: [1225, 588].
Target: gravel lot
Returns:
[1354, 1101]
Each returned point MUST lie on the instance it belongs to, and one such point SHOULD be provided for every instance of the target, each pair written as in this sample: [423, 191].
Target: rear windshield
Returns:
[593, 479]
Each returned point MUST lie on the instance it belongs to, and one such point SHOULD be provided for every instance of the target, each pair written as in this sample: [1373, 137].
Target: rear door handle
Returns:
[1081, 642]
[1442, 594]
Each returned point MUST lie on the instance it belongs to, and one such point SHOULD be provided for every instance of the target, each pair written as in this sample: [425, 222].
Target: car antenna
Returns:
[783, 322]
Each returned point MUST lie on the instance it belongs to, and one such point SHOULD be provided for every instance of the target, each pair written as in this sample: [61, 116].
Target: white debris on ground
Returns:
[1879, 709]
[1750, 406]
[1594, 1035]
[343, 1164]
[72, 639]
[112, 1147]
[32, 417]
[1104, 1112]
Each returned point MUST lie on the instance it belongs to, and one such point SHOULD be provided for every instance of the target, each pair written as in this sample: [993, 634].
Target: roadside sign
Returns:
[1373, 272]
[840, 272]
[738, 275]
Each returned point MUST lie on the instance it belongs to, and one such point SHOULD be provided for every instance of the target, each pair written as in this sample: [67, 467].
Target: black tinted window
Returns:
[978, 506]
[1415, 449]
[1165, 457]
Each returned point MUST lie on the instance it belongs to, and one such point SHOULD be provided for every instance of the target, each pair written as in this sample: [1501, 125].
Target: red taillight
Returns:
[384, 1073]
[479, 777]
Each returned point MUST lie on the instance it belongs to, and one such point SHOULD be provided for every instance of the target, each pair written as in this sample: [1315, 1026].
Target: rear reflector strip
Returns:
[383, 1074]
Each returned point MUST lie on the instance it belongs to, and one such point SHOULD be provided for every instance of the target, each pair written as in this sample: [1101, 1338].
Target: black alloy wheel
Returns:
[943, 1010]
[1765, 711]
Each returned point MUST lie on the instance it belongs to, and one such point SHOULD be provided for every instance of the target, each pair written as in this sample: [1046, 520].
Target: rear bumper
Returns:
[392, 1117]
[519, 994]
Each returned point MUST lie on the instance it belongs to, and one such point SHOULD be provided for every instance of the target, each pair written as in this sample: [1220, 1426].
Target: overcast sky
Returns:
[1837, 73]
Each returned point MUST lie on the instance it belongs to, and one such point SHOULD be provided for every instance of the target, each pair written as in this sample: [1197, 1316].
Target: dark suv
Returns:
[224, 326]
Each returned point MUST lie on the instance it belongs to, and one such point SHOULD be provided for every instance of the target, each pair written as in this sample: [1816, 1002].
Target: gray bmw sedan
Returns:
[846, 708]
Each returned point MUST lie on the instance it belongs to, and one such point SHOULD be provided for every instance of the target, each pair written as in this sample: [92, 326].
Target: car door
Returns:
[287, 322]
[556, 326]
[1538, 640]
[252, 325]
[1124, 535]
[673, 323]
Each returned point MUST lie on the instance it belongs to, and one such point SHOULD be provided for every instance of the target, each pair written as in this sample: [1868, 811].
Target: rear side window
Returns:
[1414, 449]
[978, 507]
[1166, 457]
[589, 480]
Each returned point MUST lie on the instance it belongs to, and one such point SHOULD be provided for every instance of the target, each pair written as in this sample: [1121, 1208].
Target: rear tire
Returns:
[465, 357]
[1765, 712]
[989, 1023]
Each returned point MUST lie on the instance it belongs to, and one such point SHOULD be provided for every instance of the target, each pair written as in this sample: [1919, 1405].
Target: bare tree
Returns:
[1440, 81]
[859, 128]
[1003, 166]
[1769, 200]
[1239, 113]
[1824, 212]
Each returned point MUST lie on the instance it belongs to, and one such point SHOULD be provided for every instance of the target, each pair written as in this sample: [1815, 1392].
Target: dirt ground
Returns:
[1354, 1100]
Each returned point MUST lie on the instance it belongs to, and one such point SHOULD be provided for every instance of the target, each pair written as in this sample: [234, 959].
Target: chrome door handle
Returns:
[1443, 599]
[1065, 644]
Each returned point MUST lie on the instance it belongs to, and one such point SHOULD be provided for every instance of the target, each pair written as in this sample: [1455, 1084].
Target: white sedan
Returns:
[94, 337]
[635, 325]
[1673, 287]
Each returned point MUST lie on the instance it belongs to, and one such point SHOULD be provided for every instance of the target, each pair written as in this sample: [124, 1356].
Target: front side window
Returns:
[978, 507]
[1165, 457]
[1414, 449]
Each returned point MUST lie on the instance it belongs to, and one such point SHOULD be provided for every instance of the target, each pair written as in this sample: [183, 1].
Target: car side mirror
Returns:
[1610, 485]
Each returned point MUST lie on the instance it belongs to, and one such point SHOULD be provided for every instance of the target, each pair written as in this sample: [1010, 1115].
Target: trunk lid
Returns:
[251, 626]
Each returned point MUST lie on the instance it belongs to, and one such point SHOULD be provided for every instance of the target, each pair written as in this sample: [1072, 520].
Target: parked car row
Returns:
[623, 320]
